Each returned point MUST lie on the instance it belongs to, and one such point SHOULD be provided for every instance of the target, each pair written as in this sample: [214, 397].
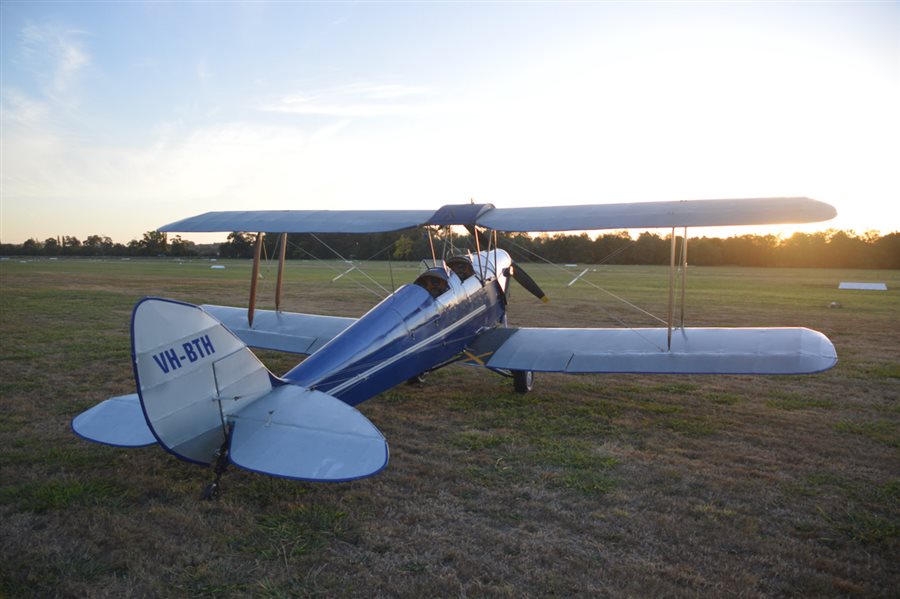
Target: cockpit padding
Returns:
[434, 281]
[462, 266]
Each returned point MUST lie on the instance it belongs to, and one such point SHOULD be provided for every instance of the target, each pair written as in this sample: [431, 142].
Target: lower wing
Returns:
[693, 350]
[280, 331]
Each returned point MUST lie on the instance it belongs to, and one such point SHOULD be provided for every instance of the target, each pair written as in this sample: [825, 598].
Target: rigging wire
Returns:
[336, 253]
[610, 293]
[337, 270]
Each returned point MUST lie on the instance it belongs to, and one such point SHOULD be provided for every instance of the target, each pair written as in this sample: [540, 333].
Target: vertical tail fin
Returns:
[198, 385]
[191, 373]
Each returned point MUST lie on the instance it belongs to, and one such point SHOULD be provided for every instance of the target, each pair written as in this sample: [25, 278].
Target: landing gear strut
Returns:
[523, 380]
[212, 489]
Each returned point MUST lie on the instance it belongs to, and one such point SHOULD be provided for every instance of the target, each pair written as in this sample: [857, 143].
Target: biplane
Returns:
[203, 395]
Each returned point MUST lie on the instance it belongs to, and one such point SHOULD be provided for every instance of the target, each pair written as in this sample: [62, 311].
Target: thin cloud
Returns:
[21, 111]
[55, 54]
[204, 74]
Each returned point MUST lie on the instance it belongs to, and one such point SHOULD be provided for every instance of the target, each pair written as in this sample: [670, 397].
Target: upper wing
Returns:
[301, 221]
[694, 350]
[692, 213]
[280, 331]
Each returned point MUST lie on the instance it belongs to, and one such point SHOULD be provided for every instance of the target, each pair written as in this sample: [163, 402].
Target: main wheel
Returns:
[418, 379]
[523, 380]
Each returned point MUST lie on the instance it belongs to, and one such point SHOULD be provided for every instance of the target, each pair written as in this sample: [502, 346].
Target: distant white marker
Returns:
[863, 286]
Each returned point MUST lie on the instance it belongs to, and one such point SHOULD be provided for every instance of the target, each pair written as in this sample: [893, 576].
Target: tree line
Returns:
[824, 249]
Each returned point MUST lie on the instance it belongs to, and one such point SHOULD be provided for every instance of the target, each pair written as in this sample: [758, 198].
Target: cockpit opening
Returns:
[462, 266]
[434, 281]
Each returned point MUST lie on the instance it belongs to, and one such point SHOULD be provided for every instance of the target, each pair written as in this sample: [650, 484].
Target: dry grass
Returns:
[594, 485]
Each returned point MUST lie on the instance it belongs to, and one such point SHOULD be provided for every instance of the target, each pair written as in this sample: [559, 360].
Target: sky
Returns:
[118, 118]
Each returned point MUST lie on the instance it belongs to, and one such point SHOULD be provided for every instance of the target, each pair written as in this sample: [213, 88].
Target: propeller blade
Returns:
[528, 283]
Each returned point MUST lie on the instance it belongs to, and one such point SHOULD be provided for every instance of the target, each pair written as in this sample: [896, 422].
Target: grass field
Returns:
[589, 486]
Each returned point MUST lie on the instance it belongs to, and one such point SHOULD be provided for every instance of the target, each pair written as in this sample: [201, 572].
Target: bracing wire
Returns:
[337, 270]
[362, 272]
[592, 284]
[598, 287]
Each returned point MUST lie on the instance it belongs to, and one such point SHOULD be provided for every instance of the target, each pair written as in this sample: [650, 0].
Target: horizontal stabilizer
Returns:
[298, 433]
[694, 351]
[117, 421]
[280, 331]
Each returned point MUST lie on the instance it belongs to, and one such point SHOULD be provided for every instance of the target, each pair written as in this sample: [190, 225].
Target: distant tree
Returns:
[650, 248]
[51, 246]
[567, 248]
[70, 242]
[32, 246]
[403, 248]
[97, 245]
[153, 243]
[239, 245]
[749, 250]
[610, 248]
[846, 250]
[802, 249]
[181, 247]
[705, 251]
[828, 249]
[886, 251]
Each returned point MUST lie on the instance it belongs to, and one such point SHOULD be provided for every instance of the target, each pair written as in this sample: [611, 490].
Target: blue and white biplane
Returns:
[205, 397]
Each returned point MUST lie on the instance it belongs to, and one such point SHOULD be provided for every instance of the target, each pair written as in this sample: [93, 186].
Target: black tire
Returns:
[210, 492]
[419, 379]
[523, 380]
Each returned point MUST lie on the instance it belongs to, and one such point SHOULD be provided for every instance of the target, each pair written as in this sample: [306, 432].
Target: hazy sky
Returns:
[119, 118]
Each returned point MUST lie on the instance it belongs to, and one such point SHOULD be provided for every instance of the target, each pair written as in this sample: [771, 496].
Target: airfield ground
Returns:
[589, 486]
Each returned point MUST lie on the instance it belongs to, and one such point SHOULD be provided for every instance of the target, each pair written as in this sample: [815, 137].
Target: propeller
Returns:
[525, 280]
[519, 274]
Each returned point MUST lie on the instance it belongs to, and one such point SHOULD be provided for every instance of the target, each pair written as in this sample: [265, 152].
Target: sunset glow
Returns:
[119, 118]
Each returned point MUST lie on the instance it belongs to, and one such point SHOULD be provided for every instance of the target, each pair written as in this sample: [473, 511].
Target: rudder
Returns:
[191, 373]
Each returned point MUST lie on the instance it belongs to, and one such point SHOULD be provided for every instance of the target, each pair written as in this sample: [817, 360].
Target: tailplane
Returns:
[200, 390]
[118, 421]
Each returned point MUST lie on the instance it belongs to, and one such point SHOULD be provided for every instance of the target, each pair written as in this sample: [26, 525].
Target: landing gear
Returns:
[418, 379]
[210, 492]
[523, 380]
[212, 489]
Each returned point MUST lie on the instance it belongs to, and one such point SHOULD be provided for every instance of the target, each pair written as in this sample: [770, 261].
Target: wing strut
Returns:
[281, 256]
[683, 272]
[682, 264]
[671, 312]
[256, 253]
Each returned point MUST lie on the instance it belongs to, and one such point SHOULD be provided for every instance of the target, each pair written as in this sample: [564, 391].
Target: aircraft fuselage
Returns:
[408, 333]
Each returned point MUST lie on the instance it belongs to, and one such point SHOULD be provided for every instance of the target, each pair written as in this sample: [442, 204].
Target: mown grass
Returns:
[588, 486]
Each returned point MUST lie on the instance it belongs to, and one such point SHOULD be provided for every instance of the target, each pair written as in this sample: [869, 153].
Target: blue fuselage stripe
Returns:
[406, 334]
